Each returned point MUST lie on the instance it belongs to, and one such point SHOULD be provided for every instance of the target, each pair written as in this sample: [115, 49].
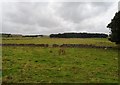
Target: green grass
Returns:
[35, 64]
[93, 41]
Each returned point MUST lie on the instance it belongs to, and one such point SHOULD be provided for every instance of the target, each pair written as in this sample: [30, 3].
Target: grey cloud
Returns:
[77, 11]
[51, 17]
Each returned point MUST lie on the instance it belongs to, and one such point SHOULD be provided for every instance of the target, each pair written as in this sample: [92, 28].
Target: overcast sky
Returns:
[57, 17]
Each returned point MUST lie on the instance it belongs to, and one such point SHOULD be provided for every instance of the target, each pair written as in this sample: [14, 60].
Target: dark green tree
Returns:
[114, 26]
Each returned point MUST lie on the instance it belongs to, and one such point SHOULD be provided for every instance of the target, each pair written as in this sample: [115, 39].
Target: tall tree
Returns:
[114, 26]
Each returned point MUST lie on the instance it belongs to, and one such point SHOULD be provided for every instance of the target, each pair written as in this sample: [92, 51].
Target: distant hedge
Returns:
[78, 35]
[19, 35]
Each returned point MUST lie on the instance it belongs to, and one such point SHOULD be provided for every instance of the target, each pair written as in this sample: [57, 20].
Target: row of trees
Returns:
[33, 36]
[9, 35]
[18, 35]
[79, 35]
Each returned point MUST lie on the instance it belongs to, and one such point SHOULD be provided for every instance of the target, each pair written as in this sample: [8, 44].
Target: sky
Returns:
[57, 17]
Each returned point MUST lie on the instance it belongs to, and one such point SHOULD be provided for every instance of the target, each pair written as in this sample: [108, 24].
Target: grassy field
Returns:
[88, 41]
[46, 65]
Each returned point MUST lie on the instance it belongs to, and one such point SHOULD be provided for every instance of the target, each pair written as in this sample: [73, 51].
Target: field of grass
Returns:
[46, 65]
[88, 41]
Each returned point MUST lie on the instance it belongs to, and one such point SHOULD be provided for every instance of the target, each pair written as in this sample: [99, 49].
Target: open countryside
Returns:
[60, 42]
[50, 64]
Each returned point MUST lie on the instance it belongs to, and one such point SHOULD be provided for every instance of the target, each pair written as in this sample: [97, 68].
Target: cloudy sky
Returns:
[56, 17]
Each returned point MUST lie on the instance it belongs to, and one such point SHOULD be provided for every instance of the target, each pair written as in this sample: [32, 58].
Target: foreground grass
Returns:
[88, 41]
[34, 64]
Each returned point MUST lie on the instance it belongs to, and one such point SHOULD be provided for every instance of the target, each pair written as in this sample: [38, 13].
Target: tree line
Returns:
[79, 35]
[19, 35]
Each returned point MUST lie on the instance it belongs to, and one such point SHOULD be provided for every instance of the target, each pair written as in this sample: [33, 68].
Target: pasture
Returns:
[50, 41]
[25, 64]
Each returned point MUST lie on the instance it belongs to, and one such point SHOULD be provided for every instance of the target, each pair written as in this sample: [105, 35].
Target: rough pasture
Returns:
[59, 41]
[49, 65]
[58, 62]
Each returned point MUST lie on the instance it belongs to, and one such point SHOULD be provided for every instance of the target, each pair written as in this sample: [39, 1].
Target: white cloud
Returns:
[55, 17]
[0, 16]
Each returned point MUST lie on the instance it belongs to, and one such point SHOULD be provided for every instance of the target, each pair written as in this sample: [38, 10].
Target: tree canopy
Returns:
[78, 35]
[114, 26]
